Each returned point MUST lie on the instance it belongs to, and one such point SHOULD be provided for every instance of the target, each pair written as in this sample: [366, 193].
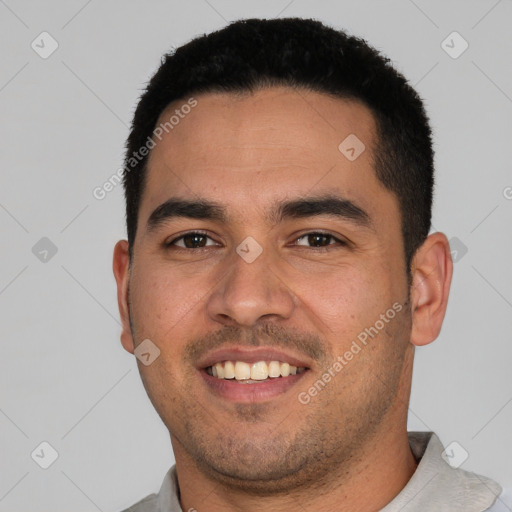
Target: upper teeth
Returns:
[261, 370]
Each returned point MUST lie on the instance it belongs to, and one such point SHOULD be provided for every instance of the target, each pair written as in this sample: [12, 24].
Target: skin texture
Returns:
[346, 449]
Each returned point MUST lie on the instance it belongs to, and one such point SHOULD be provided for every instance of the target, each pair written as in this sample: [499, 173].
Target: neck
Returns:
[374, 477]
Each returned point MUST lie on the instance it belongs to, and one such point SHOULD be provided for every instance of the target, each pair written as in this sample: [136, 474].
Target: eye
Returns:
[199, 240]
[192, 240]
[319, 240]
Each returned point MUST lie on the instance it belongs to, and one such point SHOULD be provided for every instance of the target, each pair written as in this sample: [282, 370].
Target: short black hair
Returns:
[252, 54]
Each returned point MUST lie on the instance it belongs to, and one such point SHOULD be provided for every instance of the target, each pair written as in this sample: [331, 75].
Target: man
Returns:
[279, 273]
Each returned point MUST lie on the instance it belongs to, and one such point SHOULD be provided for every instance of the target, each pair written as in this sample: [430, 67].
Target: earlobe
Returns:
[121, 268]
[431, 269]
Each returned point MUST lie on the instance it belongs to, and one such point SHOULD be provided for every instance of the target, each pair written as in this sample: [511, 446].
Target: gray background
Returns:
[64, 377]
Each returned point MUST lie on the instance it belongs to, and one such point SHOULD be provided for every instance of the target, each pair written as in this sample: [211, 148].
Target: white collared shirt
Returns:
[435, 486]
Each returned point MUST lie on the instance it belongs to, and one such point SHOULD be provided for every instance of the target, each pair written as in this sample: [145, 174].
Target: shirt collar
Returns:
[435, 485]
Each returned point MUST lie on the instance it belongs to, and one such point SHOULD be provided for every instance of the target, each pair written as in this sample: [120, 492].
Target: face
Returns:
[261, 245]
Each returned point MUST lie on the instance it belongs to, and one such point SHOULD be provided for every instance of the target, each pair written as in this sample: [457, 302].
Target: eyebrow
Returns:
[203, 209]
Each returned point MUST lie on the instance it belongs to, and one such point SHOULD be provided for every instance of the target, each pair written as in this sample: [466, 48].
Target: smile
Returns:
[250, 373]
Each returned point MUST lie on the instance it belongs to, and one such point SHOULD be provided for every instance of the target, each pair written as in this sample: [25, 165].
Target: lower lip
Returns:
[262, 391]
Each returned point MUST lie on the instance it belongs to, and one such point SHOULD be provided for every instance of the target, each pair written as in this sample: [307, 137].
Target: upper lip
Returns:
[251, 356]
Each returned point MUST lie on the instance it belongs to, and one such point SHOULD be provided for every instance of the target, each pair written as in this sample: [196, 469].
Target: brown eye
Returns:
[192, 240]
[319, 240]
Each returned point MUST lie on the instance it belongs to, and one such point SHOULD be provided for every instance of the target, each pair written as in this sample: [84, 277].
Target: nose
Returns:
[249, 292]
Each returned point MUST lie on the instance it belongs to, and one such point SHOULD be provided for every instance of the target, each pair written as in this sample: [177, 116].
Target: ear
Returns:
[432, 269]
[121, 268]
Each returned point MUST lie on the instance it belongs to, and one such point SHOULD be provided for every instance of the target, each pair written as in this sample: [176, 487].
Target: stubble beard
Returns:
[317, 452]
[313, 449]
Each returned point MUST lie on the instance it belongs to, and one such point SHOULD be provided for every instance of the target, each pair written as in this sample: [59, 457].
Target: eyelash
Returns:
[204, 234]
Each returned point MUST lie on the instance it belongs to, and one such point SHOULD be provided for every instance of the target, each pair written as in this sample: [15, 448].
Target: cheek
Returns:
[162, 309]
[161, 300]
[346, 297]
[346, 302]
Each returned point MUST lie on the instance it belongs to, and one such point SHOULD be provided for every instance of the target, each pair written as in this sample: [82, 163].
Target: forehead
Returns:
[277, 118]
[252, 149]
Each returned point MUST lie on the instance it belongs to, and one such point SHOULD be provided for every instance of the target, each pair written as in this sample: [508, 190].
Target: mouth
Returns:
[246, 373]
[251, 376]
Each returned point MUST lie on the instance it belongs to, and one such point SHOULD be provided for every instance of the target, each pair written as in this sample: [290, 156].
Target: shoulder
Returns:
[503, 502]
[147, 504]
[166, 499]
